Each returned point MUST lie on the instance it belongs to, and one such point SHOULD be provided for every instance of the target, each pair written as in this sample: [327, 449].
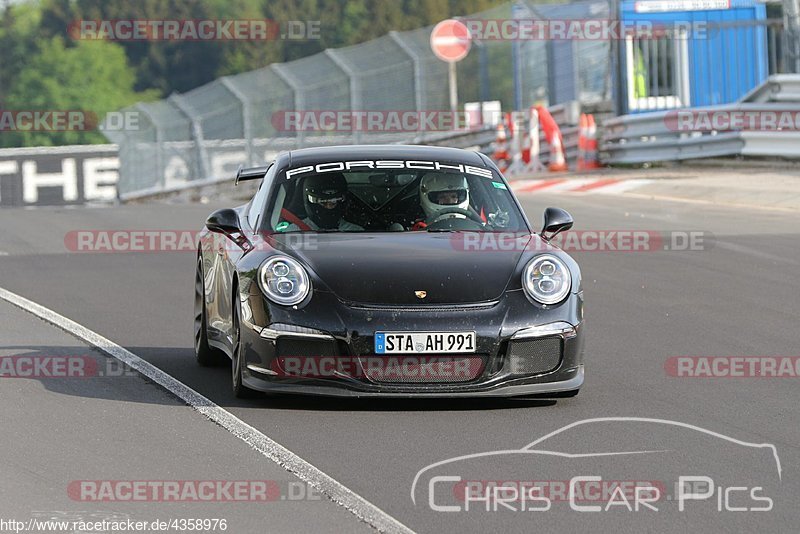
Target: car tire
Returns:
[205, 355]
[240, 391]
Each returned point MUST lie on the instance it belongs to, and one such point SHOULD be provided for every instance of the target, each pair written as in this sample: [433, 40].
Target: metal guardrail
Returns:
[652, 137]
[777, 88]
[784, 144]
[479, 139]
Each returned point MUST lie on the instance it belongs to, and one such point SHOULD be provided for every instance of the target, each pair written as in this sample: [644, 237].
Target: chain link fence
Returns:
[205, 134]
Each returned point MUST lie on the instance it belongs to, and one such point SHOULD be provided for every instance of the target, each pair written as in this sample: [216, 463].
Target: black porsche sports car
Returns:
[404, 271]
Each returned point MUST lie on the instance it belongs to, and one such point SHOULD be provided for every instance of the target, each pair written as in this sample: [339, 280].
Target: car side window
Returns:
[260, 198]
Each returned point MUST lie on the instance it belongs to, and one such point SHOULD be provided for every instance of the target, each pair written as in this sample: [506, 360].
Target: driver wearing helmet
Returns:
[440, 193]
[325, 200]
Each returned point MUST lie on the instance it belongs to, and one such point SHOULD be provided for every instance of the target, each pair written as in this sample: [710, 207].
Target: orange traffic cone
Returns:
[591, 160]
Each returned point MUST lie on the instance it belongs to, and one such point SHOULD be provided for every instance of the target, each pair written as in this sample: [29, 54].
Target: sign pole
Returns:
[516, 67]
[453, 87]
[450, 42]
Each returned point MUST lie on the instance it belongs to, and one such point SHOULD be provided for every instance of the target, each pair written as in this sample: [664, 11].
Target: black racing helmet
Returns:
[324, 198]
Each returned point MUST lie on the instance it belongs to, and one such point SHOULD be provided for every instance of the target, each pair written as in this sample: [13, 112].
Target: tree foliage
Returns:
[42, 66]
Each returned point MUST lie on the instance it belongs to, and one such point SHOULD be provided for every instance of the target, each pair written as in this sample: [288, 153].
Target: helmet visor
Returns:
[327, 202]
[449, 197]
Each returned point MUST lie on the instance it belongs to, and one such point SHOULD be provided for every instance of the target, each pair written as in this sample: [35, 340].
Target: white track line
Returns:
[335, 491]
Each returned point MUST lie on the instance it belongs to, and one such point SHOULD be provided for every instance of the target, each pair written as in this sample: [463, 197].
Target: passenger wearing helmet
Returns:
[325, 200]
[440, 192]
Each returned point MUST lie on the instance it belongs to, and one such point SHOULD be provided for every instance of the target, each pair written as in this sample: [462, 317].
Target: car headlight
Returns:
[283, 280]
[546, 279]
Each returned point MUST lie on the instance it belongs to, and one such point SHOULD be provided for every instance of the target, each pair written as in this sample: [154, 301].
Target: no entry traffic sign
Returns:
[450, 40]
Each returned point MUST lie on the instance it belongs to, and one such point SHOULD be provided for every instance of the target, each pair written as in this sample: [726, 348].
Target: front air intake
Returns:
[533, 356]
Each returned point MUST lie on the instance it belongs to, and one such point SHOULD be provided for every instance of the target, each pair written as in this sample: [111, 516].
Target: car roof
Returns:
[306, 156]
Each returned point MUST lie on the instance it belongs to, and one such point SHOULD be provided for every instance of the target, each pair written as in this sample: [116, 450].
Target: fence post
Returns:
[299, 99]
[159, 145]
[418, 93]
[247, 117]
[197, 133]
[355, 88]
[415, 60]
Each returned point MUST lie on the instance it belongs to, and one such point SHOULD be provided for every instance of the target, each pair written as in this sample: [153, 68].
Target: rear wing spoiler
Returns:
[253, 173]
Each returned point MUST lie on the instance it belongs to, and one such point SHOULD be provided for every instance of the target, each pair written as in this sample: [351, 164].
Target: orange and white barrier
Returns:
[517, 146]
[558, 160]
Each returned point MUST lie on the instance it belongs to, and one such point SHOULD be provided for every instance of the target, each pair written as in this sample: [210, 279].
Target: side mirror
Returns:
[224, 221]
[556, 220]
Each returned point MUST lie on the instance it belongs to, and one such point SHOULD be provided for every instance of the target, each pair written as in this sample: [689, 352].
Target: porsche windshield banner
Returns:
[338, 166]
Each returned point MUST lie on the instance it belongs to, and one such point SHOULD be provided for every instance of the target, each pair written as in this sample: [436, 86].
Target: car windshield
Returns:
[440, 197]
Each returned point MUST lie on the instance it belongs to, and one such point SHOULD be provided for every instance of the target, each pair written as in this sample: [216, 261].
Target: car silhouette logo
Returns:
[421, 294]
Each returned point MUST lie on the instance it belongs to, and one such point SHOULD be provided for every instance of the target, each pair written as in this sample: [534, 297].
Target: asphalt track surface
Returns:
[736, 297]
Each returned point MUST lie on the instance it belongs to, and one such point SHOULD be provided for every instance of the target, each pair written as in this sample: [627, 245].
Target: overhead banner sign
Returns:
[58, 175]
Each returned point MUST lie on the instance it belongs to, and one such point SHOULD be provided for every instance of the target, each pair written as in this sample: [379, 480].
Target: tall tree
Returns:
[93, 77]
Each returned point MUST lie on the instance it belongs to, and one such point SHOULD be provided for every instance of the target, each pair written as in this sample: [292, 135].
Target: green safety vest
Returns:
[639, 76]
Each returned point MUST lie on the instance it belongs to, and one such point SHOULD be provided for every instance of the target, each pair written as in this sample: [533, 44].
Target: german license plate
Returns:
[424, 342]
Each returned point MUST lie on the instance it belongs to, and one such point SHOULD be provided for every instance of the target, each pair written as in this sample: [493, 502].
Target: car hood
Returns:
[389, 268]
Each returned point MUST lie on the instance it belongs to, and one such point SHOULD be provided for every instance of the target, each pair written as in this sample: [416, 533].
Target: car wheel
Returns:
[206, 356]
[240, 391]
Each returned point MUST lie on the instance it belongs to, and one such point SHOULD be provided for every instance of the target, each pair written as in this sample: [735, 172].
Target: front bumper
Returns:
[347, 333]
